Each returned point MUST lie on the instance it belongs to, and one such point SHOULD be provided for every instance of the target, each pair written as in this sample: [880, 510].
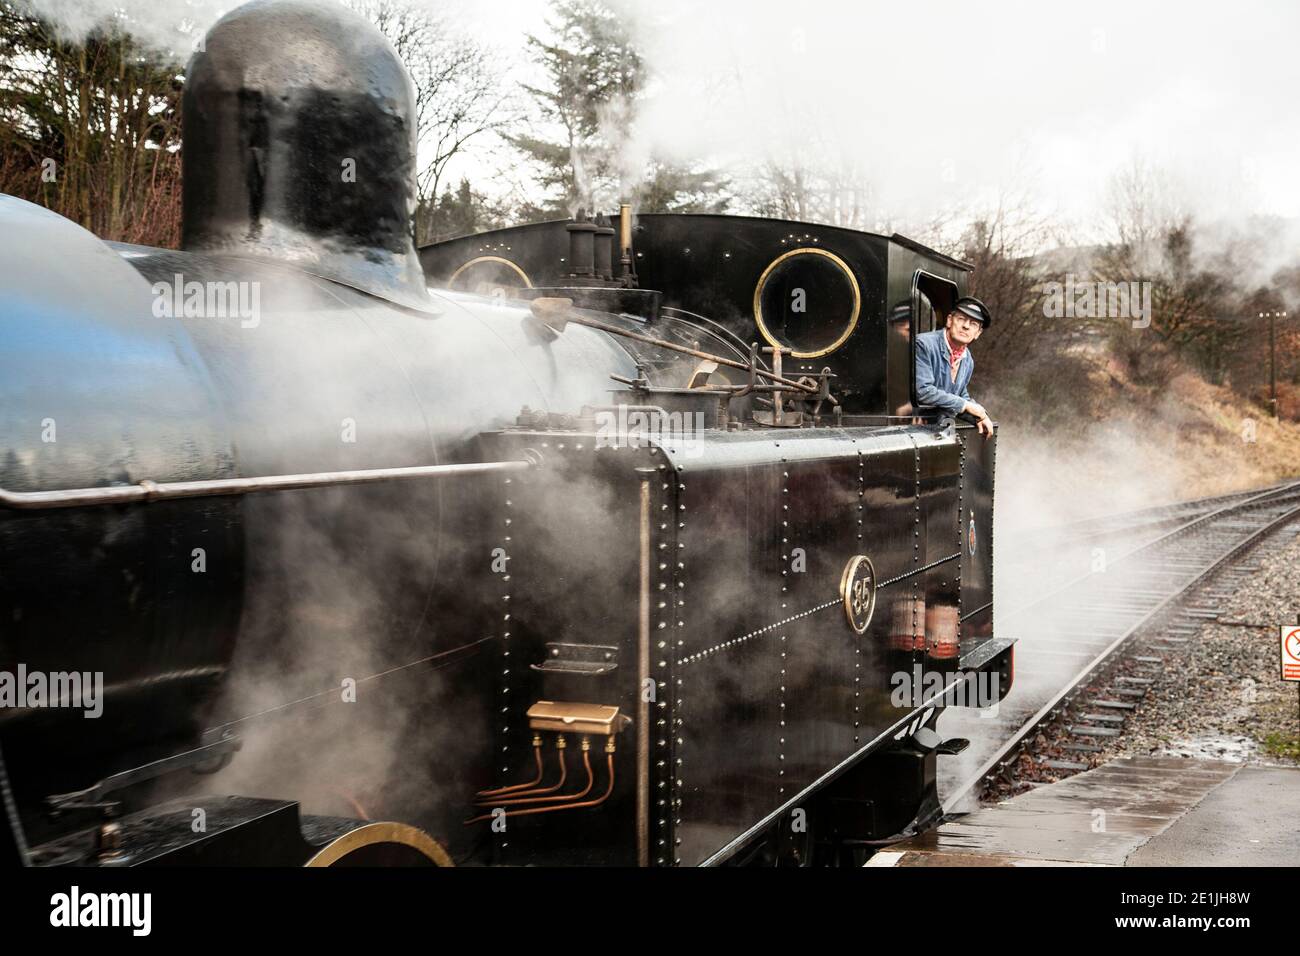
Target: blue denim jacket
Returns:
[934, 382]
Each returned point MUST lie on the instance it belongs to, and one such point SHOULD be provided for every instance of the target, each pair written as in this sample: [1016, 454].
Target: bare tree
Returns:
[1000, 244]
[1143, 204]
[814, 190]
[460, 94]
[90, 128]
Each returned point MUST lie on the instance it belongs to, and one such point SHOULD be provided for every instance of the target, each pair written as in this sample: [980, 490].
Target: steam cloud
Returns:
[945, 105]
[168, 28]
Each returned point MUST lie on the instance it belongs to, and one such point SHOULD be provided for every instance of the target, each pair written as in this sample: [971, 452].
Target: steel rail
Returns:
[1124, 522]
[1017, 738]
[1256, 500]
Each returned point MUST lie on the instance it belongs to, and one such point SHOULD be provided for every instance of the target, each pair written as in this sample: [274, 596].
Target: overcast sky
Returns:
[948, 102]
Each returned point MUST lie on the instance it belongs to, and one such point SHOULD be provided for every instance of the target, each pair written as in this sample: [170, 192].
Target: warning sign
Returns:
[1290, 652]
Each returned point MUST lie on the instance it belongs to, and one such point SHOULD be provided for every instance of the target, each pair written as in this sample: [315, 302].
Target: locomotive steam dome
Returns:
[300, 144]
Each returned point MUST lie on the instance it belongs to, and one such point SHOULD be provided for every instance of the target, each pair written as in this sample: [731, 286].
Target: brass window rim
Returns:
[853, 284]
[501, 259]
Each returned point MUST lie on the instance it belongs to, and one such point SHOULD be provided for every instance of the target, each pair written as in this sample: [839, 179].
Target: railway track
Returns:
[1089, 648]
[1160, 516]
[1027, 546]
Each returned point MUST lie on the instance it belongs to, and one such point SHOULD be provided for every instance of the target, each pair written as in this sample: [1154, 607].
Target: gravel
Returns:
[1220, 697]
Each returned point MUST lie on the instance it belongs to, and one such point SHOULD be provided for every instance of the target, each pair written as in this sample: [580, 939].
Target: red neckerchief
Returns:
[956, 352]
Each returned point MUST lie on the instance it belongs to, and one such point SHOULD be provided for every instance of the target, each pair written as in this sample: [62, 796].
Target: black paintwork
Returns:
[712, 265]
[353, 580]
[765, 691]
[275, 396]
[300, 133]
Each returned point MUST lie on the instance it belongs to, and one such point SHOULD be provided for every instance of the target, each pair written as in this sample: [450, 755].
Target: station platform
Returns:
[1134, 811]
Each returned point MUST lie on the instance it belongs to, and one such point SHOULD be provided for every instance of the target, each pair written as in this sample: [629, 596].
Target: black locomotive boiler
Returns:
[599, 542]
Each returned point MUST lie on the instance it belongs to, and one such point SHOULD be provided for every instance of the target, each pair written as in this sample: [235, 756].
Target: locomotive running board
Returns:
[725, 852]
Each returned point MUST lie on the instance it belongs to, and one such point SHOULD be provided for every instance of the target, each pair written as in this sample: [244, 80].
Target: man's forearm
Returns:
[930, 395]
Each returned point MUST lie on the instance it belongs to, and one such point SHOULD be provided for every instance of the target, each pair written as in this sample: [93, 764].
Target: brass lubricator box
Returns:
[574, 718]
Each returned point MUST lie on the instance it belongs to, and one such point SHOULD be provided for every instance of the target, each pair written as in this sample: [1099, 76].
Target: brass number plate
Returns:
[858, 589]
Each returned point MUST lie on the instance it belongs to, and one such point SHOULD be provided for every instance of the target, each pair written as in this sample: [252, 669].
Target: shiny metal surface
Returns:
[96, 390]
[643, 669]
[714, 264]
[762, 690]
[300, 132]
[678, 555]
[148, 490]
[125, 396]
[775, 687]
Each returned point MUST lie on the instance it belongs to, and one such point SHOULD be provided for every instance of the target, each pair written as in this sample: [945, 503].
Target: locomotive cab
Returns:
[773, 700]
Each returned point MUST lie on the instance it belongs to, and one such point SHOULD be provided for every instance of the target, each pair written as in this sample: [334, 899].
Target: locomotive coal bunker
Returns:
[578, 542]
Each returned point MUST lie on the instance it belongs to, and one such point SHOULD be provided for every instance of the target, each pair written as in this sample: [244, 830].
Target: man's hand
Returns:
[977, 411]
[984, 425]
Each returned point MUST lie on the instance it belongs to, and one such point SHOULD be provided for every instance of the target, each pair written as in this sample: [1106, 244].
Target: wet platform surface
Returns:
[1134, 811]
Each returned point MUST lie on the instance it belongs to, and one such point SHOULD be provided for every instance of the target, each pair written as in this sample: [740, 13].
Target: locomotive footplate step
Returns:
[1133, 811]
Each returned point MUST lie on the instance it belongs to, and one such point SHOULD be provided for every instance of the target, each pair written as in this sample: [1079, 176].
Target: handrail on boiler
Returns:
[147, 490]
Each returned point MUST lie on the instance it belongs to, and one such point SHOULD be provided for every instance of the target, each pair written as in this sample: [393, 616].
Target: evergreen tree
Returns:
[455, 214]
[595, 78]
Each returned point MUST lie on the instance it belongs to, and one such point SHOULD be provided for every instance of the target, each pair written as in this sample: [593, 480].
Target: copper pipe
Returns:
[609, 764]
[564, 775]
[643, 682]
[586, 762]
[537, 752]
[568, 806]
[590, 781]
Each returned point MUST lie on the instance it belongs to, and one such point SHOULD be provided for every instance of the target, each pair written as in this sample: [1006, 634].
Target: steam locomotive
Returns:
[592, 542]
